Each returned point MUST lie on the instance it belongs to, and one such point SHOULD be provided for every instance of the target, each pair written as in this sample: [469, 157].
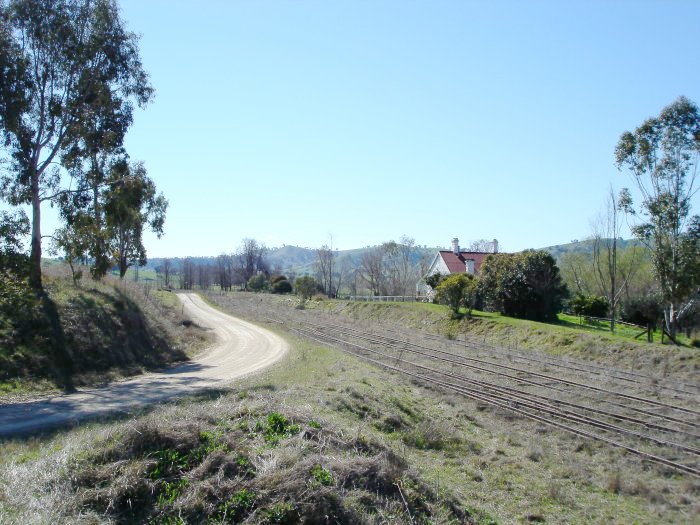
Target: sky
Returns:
[356, 122]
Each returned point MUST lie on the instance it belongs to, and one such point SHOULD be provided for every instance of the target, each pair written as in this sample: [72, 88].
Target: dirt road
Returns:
[241, 348]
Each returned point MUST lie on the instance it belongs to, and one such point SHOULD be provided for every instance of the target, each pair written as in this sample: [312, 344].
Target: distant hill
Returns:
[584, 247]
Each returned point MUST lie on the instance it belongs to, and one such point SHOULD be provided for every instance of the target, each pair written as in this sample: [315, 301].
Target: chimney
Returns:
[455, 246]
[495, 246]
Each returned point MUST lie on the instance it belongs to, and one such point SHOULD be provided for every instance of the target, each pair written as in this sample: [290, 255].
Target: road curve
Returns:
[240, 349]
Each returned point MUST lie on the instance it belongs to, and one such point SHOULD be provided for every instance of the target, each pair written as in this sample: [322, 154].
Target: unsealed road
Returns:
[241, 348]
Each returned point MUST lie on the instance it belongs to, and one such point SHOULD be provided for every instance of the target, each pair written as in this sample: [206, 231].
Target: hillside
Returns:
[584, 247]
[89, 334]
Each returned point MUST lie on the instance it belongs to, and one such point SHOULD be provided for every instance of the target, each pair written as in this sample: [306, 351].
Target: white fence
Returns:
[384, 298]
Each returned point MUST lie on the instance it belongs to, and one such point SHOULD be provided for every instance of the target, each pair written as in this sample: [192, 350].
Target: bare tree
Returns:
[611, 277]
[482, 245]
[225, 270]
[203, 273]
[344, 274]
[251, 259]
[187, 274]
[372, 269]
[167, 271]
[401, 272]
[324, 268]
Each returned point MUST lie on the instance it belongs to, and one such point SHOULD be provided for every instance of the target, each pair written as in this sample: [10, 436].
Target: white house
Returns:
[447, 262]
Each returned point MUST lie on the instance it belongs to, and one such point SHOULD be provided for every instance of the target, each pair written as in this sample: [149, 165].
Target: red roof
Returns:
[457, 263]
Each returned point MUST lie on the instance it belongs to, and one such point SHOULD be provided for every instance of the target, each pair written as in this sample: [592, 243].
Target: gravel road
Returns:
[241, 348]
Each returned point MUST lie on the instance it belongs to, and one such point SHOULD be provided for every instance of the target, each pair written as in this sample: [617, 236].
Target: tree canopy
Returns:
[525, 285]
[71, 74]
[662, 156]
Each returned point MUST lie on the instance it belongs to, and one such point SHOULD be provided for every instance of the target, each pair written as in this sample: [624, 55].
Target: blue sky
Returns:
[294, 121]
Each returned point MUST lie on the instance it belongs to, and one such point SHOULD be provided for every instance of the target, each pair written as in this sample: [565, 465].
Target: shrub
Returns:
[589, 305]
[20, 309]
[306, 287]
[277, 278]
[525, 285]
[281, 287]
[434, 280]
[257, 283]
[642, 310]
[321, 476]
[457, 291]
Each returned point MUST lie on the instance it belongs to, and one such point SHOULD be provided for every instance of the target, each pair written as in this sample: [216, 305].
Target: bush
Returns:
[19, 306]
[589, 305]
[277, 278]
[457, 291]
[434, 280]
[306, 287]
[525, 285]
[282, 286]
[257, 283]
[643, 310]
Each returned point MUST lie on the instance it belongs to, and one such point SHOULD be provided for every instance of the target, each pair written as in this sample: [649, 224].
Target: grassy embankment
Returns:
[92, 333]
[326, 437]
[564, 339]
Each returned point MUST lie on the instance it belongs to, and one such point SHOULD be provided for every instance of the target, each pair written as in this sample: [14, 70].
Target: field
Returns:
[331, 437]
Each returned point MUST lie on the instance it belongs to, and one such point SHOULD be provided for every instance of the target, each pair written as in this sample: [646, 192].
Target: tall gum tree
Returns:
[131, 204]
[662, 155]
[59, 55]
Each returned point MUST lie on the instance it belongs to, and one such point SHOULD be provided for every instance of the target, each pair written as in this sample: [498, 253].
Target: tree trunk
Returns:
[35, 256]
[671, 320]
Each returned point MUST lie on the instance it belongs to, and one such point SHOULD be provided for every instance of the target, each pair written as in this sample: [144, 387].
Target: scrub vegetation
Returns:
[92, 333]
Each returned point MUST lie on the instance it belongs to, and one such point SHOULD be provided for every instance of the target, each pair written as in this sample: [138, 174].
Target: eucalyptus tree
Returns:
[63, 61]
[662, 154]
[131, 205]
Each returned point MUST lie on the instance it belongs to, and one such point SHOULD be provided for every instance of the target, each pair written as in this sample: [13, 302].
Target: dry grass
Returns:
[106, 331]
[249, 463]
[357, 445]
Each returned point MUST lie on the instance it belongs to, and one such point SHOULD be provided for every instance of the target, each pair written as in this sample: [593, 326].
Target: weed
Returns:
[210, 441]
[321, 476]
[432, 434]
[169, 461]
[280, 513]
[170, 491]
[535, 454]
[277, 427]
[237, 506]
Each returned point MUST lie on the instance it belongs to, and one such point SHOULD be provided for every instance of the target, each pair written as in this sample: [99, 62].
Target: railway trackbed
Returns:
[655, 420]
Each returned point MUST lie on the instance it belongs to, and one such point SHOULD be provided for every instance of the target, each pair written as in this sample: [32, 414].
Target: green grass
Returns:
[146, 275]
[621, 330]
[167, 299]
